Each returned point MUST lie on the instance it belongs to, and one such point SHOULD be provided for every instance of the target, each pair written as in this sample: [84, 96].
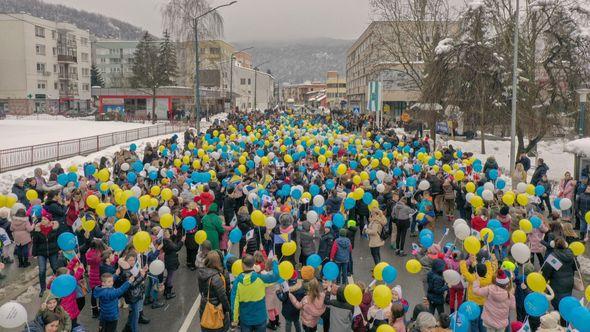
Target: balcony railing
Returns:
[67, 76]
[67, 58]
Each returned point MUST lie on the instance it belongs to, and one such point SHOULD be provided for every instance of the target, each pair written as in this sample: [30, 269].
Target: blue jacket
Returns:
[248, 293]
[436, 283]
[109, 301]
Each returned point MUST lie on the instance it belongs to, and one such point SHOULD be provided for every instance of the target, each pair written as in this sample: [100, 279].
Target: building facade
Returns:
[44, 66]
[335, 90]
[114, 60]
[298, 94]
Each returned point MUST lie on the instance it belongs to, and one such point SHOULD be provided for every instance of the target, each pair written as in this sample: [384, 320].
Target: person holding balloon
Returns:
[212, 225]
[93, 260]
[312, 305]
[377, 221]
[562, 279]
[132, 271]
[109, 299]
[45, 248]
[50, 307]
[172, 244]
[499, 300]
[341, 254]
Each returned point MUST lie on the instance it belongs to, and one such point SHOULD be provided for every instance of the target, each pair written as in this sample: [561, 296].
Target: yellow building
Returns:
[335, 89]
[214, 56]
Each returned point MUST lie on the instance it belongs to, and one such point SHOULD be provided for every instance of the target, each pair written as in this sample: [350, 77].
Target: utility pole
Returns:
[255, 84]
[514, 92]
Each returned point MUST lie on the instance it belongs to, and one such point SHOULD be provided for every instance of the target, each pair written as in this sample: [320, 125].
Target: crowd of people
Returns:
[268, 209]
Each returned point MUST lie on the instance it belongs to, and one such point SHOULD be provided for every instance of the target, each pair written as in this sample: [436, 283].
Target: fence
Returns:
[16, 158]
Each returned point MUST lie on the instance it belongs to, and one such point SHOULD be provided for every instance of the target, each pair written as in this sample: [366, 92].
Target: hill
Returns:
[99, 25]
[300, 60]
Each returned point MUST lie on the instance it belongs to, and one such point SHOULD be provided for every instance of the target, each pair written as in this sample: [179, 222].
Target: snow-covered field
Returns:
[29, 131]
[7, 179]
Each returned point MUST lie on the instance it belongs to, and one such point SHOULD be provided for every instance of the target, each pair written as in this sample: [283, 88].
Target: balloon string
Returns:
[580, 273]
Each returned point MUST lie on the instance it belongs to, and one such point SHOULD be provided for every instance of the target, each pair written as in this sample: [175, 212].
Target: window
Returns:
[84, 56]
[85, 86]
[103, 60]
[85, 72]
[39, 31]
[40, 49]
[55, 68]
[40, 67]
[112, 60]
[55, 86]
[41, 85]
[418, 56]
[243, 81]
[53, 34]
[83, 41]
[54, 51]
[249, 81]
[215, 50]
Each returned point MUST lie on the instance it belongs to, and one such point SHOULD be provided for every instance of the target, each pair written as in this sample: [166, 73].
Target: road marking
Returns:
[191, 315]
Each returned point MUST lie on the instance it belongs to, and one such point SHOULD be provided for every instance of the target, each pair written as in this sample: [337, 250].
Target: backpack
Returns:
[385, 232]
[342, 252]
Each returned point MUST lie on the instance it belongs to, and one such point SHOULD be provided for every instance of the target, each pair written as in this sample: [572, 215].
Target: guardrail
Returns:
[16, 158]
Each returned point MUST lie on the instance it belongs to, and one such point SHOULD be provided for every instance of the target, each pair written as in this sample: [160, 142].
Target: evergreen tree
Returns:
[168, 59]
[96, 77]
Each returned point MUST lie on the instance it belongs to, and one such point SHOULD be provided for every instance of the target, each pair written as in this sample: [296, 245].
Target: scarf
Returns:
[46, 229]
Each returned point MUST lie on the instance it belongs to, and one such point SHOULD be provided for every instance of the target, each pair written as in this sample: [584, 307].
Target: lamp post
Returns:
[255, 83]
[514, 91]
[231, 76]
[197, 78]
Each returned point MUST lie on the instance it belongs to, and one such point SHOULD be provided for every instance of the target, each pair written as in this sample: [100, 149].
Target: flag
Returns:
[553, 262]
[525, 327]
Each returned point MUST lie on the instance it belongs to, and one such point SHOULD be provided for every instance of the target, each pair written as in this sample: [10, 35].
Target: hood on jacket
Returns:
[550, 321]
[497, 293]
[438, 266]
[213, 208]
[566, 256]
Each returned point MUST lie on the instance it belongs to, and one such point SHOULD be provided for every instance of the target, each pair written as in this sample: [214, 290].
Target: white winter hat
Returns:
[550, 321]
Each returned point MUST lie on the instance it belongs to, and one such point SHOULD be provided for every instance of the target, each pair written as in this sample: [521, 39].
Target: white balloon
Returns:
[381, 175]
[459, 221]
[136, 191]
[312, 216]
[487, 195]
[157, 267]
[469, 196]
[187, 153]
[521, 252]
[163, 172]
[175, 192]
[488, 186]
[318, 201]
[252, 197]
[452, 277]
[152, 169]
[163, 210]
[125, 167]
[380, 187]
[216, 155]
[521, 187]
[12, 315]
[423, 185]
[271, 156]
[257, 160]
[271, 222]
[142, 174]
[565, 203]
[462, 231]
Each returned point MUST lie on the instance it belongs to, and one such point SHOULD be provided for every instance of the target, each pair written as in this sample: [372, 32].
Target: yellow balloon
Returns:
[530, 189]
[177, 162]
[200, 236]
[92, 201]
[103, 175]
[487, 234]
[413, 266]
[518, 236]
[587, 293]
[288, 158]
[354, 294]
[2, 201]
[374, 163]
[341, 169]
[385, 328]
[100, 209]
[242, 169]
[472, 245]
[522, 199]
[166, 220]
[73, 168]
[459, 175]
[32, 194]
[364, 175]
[166, 194]
[358, 194]
[525, 225]
[142, 241]
[10, 200]
[356, 180]
[88, 225]
[437, 155]
[288, 248]
[258, 218]
[382, 296]
[119, 197]
[508, 199]
[123, 226]
[237, 268]
[477, 202]
[153, 202]
[385, 161]
[577, 248]
[286, 270]
[378, 271]
[264, 160]
[536, 282]
[104, 187]
[144, 201]
[364, 162]
[470, 187]
[196, 164]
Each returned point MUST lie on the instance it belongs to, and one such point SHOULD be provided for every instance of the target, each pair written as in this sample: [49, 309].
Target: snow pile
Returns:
[476, 4]
[580, 147]
[48, 117]
[444, 46]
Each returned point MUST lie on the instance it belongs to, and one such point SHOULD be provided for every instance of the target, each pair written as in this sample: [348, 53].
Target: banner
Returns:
[375, 97]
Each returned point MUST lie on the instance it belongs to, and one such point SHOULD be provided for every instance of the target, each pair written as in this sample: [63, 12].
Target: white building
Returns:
[114, 60]
[253, 89]
[44, 65]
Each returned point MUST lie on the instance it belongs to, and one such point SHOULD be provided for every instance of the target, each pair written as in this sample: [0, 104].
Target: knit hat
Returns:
[307, 272]
[425, 321]
[516, 326]
[550, 321]
[501, 278]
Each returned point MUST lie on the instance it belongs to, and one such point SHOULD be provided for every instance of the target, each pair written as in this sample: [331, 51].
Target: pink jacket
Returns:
[399, 325]
[223, 243]
[566, 190]
[21, 230]
[535, 239]
[69, 302]
[93, 259]
[496, 309]
[451, 265]
[312, 311]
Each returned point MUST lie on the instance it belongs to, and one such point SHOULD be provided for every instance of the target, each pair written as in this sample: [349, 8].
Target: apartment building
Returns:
[299, 94]
[335, 89]
[114, 60]
[44, 65]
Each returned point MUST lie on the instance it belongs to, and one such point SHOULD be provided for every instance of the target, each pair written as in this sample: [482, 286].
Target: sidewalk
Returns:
[18, 281]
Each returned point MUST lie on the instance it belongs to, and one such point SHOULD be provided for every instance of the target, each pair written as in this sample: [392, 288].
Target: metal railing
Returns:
[16, 158]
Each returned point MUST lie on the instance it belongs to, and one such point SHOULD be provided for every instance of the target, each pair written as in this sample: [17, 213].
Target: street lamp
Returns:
[197, 78]
[255, 78]
[514, 91]
[231, 75]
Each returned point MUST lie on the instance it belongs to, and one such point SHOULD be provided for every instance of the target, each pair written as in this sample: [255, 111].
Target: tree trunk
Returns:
[154, 105]
[482, 132]
[520, 137]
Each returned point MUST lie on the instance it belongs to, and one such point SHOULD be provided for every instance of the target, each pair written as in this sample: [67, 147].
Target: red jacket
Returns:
[478, 223]
[93, 259]
[205, 199]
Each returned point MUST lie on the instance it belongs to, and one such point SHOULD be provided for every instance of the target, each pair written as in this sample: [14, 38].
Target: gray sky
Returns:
[251, 19]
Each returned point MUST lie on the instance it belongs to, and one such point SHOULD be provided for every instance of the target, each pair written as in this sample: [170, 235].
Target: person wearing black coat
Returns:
[525, 161]
[57, 210]
[326, 241]
[18, 188]
[541, 170]
[214, 287]
[45, 248]
[171, 247]
[561, 280]
[436, 287]
[229, 205]
[135, 293]
[288, 310]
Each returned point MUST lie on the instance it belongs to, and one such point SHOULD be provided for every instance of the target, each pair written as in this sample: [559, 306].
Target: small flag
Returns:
[525, 327]
[554, 262]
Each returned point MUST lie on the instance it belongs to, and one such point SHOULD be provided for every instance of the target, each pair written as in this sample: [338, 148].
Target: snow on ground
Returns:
[551, 151]
[7, 179]
[23, 132]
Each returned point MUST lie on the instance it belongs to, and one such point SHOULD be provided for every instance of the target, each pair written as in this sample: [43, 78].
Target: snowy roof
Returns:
[426, 107]
[579, 147]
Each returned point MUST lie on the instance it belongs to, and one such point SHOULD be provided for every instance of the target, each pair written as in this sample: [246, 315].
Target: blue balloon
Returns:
[493, 174]
[411, 182]
[132, 204]
[479, 190]
[556, 202]
[338, 220]
[137, 166]
[566, 307]
[37, 210]
[153, 175]
[426, 238]
[72, 177]
[349, 203]
[314, 260]
[431, 161]
[88, 171]
[118, 241]
[353, 164]
[250, 164]
[296, 194]
[314, 190]
[367, 198]
[173, 147]
[539, 190]
[330, 271]
[536, 304]
[581, 319]
[536, 221]
[500, 184]
[184, 168]
[131, 177]
[110, 211]
[389, 274]
[417, 168]
[169, 174]
[190, 223]
[501, 235]
[330, 184]
[62, 179]
[67, 241]
[397, 172]
[494, 223]
[132, 147]
[235, 235]
[470, 310]
[63, 285]
[459, 322]
[477, 167]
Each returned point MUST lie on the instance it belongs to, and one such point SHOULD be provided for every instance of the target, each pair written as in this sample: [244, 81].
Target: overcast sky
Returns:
[251, 19]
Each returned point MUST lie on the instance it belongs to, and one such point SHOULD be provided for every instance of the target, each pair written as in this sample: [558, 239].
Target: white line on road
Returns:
[191, 315]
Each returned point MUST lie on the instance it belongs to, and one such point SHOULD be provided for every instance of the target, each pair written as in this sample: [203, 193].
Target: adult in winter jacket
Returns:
[341, 254]
[171, 247]
[402, 216]
[21, 232]
[490, 165]
[525, 161]
[18, 188]
[340, 311]
[567, 188]
[206, 198]
[213, 226]
[306, 242]
[57, 210]
[499, 301]
[326, 241]
[562, 280]
[377, 221]
[289, 311]
[333, 203]
[45, 248]
[436, 287]
[545, 197]
[214, 288]
[541, 169]
[518, 175]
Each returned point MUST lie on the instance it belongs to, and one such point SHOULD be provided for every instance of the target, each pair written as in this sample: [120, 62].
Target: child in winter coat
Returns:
[436, 287]
[340, 310]
[93, 260]
[535, 239]
[272, 302]
[550, 323]
[499, 301]
[68, 303]
[289, 311]
[456, 292]
[397, 317]
[480, 221]
[311, 306]
[341, 255]
[171, 246]
[51, 304]
[109, 299]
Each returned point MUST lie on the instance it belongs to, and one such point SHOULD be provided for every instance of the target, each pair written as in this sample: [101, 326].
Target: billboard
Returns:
[375, 97]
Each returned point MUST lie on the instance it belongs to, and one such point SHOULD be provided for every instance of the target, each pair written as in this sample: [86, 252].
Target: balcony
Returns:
[67, 76]
[67, 58]
[69, 92]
